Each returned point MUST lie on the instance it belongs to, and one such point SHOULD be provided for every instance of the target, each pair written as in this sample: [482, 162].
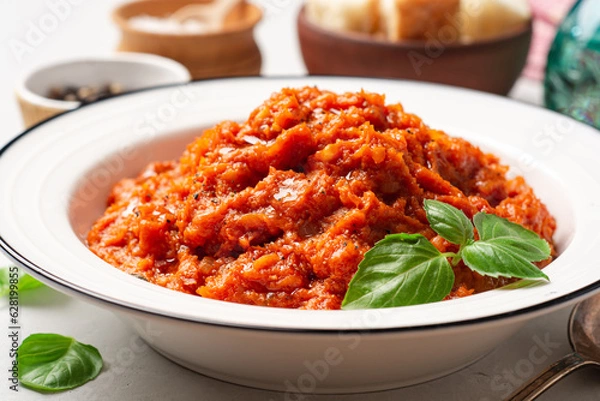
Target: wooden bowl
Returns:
[490, 65]
[229, 52]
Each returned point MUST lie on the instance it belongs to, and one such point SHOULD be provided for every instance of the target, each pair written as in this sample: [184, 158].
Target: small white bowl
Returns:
[56, 178]
[131, 70]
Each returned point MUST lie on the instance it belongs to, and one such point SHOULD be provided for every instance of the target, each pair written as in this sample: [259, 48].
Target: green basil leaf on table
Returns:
[52, 362]
[401, 269]
[449, 222]
[26, 282]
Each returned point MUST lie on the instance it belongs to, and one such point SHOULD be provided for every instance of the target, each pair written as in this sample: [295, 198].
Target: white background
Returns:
[134, 372]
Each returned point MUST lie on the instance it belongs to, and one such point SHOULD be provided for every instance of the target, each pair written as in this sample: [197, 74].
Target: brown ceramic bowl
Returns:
[229, 52]
[491, 65]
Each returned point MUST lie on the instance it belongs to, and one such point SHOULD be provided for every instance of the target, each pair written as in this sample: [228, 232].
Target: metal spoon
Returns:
[584, 335]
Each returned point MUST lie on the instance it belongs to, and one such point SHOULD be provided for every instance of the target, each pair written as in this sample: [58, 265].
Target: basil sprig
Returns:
[52, 363]
[406, 269]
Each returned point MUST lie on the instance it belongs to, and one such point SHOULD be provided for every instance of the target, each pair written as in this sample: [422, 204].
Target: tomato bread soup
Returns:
[280, 210]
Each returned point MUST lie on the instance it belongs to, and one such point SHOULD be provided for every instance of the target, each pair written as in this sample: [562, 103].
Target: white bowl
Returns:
[56, 178]
[131, 70]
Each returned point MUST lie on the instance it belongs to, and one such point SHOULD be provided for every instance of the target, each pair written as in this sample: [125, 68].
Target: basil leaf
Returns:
[26, 282]
[505, 249]
[497, 258]
[511, 236]
[449, 222]
[51, 362]
[400, 270]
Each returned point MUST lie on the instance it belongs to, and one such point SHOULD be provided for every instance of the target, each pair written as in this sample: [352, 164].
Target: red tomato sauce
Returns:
[279, 210]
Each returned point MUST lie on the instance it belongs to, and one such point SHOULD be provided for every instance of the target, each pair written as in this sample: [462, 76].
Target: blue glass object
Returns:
[572, 84]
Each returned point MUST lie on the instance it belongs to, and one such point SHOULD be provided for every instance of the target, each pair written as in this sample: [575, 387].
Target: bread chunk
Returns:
[344, 15]
[482, 19]
[416, 19]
